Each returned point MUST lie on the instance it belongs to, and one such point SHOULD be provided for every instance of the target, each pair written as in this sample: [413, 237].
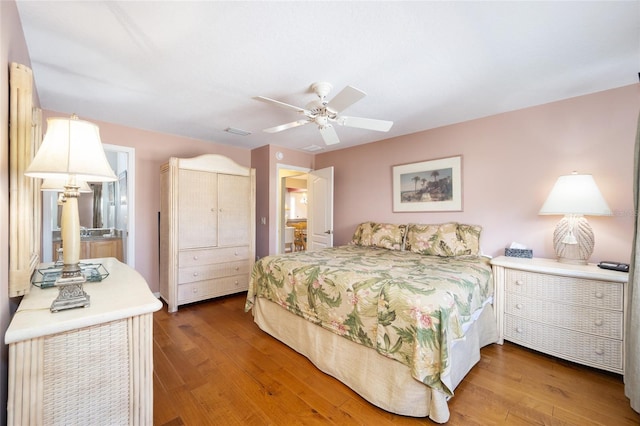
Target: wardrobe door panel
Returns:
[234, 210]
[198, 218]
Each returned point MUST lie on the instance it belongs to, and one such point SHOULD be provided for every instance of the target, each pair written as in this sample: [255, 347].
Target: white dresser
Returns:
[86, 366]
[574, 312]
[207, 228]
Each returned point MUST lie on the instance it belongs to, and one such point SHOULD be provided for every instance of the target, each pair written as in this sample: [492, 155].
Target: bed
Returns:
[399, 315]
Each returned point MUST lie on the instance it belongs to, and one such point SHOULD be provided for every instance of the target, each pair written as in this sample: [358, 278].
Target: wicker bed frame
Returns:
[382, 381]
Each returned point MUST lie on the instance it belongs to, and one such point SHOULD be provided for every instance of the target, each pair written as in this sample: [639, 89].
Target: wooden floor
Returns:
[214, 366]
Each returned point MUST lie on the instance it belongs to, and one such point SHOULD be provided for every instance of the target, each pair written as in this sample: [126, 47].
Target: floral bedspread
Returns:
[407, 306]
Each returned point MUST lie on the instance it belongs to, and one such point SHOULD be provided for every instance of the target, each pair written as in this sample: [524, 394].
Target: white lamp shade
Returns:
[575, 195]
[57, 185]
[71, 147]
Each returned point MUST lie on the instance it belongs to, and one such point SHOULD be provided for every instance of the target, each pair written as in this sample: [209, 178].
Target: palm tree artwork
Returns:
[416, 179]
[435, 185]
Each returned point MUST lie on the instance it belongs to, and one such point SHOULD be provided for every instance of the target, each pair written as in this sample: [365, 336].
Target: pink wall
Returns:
[260, 162]
[510, 162]
[264, 160]
[152, 150]
[13, 48]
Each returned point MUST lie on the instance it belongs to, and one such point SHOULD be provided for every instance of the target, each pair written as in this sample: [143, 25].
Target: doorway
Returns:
[292, 209]
[305, 203]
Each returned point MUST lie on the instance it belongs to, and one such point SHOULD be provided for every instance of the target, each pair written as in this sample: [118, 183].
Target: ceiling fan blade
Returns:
[281, 104]
[365, 123]
[286, 126]
[347, 97]
[329, 134]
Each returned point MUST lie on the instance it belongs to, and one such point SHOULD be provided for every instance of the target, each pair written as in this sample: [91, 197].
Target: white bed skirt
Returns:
[382, 381]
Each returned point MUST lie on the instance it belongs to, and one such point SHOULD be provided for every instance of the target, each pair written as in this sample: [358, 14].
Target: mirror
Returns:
[104, 213]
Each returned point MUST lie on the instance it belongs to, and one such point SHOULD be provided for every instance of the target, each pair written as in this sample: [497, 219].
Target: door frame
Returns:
[280, 223]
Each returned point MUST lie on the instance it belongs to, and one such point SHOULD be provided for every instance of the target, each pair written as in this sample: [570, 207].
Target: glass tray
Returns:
[46, 277]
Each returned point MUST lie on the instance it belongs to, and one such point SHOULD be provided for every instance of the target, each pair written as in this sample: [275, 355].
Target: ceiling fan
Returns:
[323, 112]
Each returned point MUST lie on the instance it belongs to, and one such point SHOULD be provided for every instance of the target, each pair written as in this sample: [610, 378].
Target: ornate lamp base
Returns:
[70, 292]
[573, 240]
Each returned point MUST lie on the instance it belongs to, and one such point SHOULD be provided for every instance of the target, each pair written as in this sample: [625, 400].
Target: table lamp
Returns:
[57, 185]
[71, 151]
[574, 196]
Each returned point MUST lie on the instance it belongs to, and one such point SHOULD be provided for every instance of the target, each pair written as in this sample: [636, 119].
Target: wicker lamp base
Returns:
[573, 240]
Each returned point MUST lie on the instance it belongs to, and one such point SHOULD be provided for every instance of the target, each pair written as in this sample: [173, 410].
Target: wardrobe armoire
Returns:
[207, 228]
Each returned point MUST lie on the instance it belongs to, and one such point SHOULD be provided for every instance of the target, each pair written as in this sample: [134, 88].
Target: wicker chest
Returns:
[574, 312]
[87, 366]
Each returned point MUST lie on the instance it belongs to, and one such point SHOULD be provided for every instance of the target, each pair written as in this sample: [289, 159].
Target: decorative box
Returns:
[513, 252]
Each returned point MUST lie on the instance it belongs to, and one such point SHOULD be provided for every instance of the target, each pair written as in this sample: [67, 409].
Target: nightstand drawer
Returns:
[601, 322]
[577, 291]
[583, 348]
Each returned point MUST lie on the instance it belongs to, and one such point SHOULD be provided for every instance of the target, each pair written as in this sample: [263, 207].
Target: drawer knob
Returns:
[599, 351]
[236, 283]
[195, 257]
[518, 330]
[599, 322]
[518, 305]
[195, 290]
[518, 282]
[235, 253]
[195, 274]
[237, 268]
[599, 295]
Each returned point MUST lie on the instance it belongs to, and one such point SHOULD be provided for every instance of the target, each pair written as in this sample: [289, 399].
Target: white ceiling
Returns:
[194, 68]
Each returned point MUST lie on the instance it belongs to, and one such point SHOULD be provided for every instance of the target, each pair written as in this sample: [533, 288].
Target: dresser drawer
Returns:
[216, 270]
[211, 288]
[601, 322]
[577, 291]
[187, 258]
[584, 348]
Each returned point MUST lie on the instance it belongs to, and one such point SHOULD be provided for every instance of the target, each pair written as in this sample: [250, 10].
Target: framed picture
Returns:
[428, 186]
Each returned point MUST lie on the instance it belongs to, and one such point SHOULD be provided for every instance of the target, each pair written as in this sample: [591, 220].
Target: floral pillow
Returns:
[362, 235]
[385, 235]
[446, 240]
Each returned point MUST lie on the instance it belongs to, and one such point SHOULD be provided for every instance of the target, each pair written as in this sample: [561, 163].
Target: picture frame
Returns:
[428, 186]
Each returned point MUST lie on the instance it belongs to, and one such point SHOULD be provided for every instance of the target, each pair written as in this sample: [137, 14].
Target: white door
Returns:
[320, 209]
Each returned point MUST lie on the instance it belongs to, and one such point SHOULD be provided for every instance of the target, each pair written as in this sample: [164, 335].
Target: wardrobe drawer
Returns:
[601, 322]
[187, 258]
[577, 291]
[216, 270]
[595, 351]
[200, 290]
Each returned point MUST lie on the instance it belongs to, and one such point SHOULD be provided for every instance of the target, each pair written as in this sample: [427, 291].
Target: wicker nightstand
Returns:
[575, 312]
[88, 366]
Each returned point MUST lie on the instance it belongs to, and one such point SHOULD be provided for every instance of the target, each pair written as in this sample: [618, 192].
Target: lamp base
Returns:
[71, 294]
[573, 240]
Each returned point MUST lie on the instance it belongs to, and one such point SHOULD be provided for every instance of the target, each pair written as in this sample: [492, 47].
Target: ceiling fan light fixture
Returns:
[322, 120]
[322, 89]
